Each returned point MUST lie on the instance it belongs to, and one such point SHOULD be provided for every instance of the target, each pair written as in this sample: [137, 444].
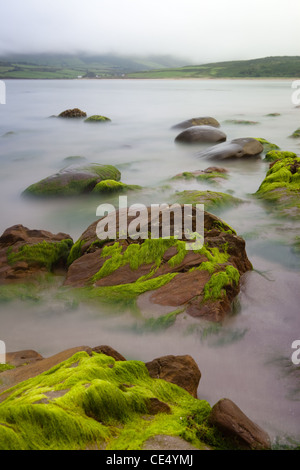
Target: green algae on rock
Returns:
[112, 186]
[268, 146]
[123, 270]
[97, 118]
[296, 133]
[241, 121]
[274, 155]
[209, 175]
[95, 401]
[210, 199]
[281, 187]
[73, 180]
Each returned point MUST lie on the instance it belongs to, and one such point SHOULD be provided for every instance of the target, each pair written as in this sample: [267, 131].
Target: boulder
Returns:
[198, 121]
[72, 113]
[236, 148]
[212, 200]
[198, 134]
[212, 174]
[233, 423]
[73, 180]
[161, 272]
[179, 370]
[25, 252]
[97, 118]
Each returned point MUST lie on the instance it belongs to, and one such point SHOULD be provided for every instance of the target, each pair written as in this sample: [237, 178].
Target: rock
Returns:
[274, 155]
[212, 174]
[179, 370]
[161, 272]
[21, 358]
[296, 133]
[211, 199]
[241, 121]
[281, 186]
[267, 146]
[112, 186]
[73, 180]
[25, 252]
[72, 113]
[97, 118]
[237, 148]
[109, 351]
[198, 121]
[198, 134]
[233, 423]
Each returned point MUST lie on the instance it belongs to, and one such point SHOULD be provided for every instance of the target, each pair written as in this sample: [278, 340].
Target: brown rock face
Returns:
[15, 238]
[233, 423]
[179, 370]
[186, 289]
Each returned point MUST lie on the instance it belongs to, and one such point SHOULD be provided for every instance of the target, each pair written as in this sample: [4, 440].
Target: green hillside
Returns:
[56, 66]
[269, 67]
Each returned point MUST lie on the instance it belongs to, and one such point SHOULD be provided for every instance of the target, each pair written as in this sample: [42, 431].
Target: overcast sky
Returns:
[198, 30]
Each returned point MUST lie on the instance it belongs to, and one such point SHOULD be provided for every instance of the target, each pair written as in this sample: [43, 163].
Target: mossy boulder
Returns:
[72, 113]
[199, 134]
[209, 175]
[197, 121]
[73, 180]
[241, 121]
[97, 118]
[24, 253]
[274, 155]
[160, 272]
[211, 199]
[296, 133]
[93, 398]
[281, 187]
[112, 186]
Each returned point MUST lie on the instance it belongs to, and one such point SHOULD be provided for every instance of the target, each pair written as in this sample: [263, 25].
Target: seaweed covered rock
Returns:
[212, 174]
[97, 118]
[211, 199]
[198, 121]
[236, 148]
[161, 271]
[274, 155]
[73, 180]
[198, 134]
[112, 186]
[72, 113]
[267, 146]
[93, 398]
[281, 186]
[24, 252]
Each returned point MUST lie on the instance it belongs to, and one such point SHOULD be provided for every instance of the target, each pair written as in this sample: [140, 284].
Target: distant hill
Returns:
[69, 66]
[268, 67]
[64, 66]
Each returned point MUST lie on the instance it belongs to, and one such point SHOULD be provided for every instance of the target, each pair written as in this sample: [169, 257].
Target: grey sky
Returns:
[198, 30]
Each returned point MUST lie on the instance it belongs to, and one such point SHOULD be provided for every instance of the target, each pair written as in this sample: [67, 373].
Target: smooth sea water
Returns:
[249, 359]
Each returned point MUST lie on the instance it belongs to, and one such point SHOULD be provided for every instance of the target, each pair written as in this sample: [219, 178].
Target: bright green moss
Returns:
[268, 146]
[210, 199]
[95, 401]
[97, 118]
[215, 287]
[274, 155]
[4, 367]
[110, 186]
[75, 251]
[43, 254]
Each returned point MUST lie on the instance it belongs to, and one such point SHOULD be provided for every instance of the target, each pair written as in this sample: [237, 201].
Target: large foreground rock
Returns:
[162, 272]
[233, 423]
[93, 398]
[203, 133]
[235, 149]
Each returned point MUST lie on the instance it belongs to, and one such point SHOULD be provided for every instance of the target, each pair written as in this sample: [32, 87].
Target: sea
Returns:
[248, 358]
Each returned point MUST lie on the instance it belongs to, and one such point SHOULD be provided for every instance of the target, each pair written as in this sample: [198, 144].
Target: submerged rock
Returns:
[112, 186]
[73, 180]
[97, 118]
[241, 121]
[212, 174]
[296, 133]
[203, 282]
[281, 186]
[72, 113]
[203, 133]
[236, 148]
[198, 121]
[210, 199]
